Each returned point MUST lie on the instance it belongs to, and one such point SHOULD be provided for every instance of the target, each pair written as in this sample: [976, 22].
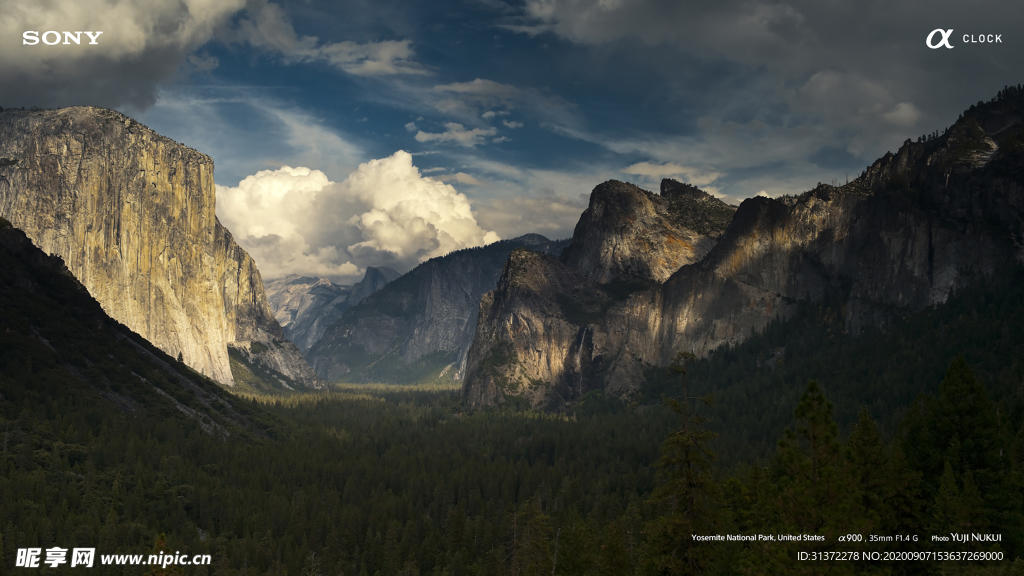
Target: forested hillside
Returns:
[410, 485]
[757, 383]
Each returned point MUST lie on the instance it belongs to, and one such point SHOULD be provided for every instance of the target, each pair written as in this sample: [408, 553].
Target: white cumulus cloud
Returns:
[296, 221]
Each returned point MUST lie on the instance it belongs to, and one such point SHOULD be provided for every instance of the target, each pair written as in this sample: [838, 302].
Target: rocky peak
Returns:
[306, 306]
[375, 279]
[532, 241]
[629, 233]
[928, 162]
[534, 337]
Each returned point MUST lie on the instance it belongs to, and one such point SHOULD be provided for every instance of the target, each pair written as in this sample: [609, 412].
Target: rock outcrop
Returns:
[533, 337]
[628, 233]
[914, 227]
[541, 332]
[132, 214]
[420, 325]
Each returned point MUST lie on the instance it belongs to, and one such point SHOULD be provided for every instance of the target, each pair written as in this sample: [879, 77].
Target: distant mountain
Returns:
[132, 215]
[420, 325]
[57, 344]
[914, 227]
[375, 279]
[305, 306]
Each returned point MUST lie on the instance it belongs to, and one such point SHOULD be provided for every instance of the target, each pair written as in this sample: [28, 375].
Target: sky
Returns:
[348, 134]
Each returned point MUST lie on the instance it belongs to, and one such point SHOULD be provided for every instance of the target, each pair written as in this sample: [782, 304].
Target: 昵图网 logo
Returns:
[53, 37]
[943, 36]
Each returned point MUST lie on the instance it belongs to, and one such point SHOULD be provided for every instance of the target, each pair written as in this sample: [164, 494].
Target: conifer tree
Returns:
[947, 512]
[965, 421]
[814, 477]
[531, 544]
[613, 558]
[814, 491]
[905, 506]
[689, 495]
[160, 545]
[575, 542]
[889, 490]
[957, 443]
[869, 465]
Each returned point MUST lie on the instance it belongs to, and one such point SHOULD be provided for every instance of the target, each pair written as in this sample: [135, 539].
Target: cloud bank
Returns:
[296, 221]
[656, 172]
[266, 26]
[458, 134]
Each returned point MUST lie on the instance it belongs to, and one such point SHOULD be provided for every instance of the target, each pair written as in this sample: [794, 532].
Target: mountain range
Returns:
[916, 226]
[644, 277]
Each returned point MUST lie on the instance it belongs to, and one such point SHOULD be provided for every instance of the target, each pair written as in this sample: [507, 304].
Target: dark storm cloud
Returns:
[143, 44]
[91, 81]
[840, 60]
[777, 95]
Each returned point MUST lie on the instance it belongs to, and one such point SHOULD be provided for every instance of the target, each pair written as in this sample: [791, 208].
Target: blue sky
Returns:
[513, 110]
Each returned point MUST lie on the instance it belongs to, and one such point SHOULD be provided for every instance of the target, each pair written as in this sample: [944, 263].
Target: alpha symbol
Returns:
[945, 39]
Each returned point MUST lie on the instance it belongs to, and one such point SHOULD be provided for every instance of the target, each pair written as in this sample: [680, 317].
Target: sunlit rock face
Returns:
[629, 233]
[132, 214]
[916, 226]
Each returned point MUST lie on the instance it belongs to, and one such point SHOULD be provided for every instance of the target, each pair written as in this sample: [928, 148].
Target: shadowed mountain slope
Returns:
[913, 228]
[420, 325]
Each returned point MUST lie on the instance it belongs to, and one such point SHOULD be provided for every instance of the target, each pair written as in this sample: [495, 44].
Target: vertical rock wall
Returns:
[132, 214]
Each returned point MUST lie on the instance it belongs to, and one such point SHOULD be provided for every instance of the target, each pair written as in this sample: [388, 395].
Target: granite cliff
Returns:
[628, 233]
[132, 214]
[915, 226]
[420, 325]
[541, 331]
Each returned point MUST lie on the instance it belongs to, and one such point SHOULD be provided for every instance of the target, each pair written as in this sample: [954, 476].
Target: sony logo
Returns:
[51, 37]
